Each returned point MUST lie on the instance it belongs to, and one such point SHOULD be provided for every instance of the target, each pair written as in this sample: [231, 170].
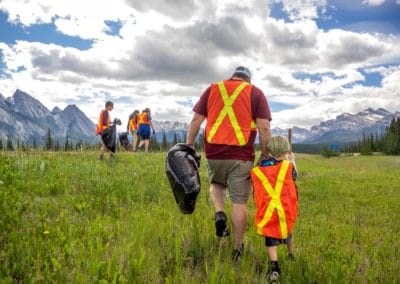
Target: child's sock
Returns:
[274, 266]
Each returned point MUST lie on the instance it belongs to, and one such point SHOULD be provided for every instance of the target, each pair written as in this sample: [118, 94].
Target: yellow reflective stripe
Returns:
[275, 194]
[228, 110]
[253, 124]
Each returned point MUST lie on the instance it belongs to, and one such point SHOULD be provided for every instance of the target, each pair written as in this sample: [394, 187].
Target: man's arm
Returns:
[194, 128]
[264, 134]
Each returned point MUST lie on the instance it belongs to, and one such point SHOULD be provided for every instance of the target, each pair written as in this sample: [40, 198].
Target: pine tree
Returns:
[164, 143]
[66, 145]
[153, 144]
[1, 144]
[9, 146]
[34, 145]
[57, 146]
[49, 141]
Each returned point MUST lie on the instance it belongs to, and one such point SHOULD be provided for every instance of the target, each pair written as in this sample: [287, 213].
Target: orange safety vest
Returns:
[275, 198]
[133, 124]
[229, 119]
[100, 126]
[144, 118]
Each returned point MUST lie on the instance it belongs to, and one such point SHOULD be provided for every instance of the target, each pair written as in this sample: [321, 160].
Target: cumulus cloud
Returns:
[373, 2]
[166, 53]
[302, 9]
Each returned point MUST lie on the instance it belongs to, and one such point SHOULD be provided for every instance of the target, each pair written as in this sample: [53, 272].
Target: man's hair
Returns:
[109, 103]
[278, 146]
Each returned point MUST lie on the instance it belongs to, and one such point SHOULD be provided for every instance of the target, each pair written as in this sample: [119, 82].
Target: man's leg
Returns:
[239, 190]
[239, 222]
[146, 145]
[218, 195]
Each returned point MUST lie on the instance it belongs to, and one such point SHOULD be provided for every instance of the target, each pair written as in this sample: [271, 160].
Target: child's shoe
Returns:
[273, 277]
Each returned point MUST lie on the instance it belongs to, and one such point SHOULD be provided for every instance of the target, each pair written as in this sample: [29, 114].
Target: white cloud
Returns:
[302, 9]
[373, 2]
[165, 56]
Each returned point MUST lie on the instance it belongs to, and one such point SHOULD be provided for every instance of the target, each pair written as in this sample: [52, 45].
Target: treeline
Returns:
[388, 143]
[48, 142]
[51, 143]
[164, 145]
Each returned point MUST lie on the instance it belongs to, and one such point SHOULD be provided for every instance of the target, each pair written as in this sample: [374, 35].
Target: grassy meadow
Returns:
[71, 218]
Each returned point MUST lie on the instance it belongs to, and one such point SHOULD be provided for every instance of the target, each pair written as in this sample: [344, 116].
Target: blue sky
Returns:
[314, 59]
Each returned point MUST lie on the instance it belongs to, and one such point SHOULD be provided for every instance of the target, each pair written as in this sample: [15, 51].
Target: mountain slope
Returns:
[25, 118]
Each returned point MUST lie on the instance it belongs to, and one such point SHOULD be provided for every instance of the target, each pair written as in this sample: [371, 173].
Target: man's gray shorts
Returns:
[234, 174]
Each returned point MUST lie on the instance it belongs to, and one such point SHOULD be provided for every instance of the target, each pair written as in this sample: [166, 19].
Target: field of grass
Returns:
[69, 217]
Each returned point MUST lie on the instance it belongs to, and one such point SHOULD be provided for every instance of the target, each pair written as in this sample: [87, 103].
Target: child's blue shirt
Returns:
[271, 162]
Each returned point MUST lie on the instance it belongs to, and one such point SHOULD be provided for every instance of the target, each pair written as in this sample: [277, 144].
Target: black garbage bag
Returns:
[124, 140]
[182, 169]
[108, 136]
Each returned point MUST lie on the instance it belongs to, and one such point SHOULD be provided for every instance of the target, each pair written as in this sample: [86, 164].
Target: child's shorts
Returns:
[271, 242]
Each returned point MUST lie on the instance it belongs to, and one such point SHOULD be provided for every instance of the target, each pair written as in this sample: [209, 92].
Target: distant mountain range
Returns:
[343, 129]
[25, 118]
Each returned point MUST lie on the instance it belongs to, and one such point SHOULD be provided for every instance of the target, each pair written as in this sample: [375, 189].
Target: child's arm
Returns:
[290, 157]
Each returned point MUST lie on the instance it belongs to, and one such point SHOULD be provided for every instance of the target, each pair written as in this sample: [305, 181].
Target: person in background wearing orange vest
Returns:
[276, 200]
[104, 122]
[132, 128]
[235, 109]
[145, 123]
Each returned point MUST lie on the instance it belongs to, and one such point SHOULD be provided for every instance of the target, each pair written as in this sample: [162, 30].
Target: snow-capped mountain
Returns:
[348, 127]
[345, 127]
[170, 128]
[25, 118]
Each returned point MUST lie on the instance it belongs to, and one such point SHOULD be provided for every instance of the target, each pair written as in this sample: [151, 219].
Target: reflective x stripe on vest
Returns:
[275, 203]
[228, 110]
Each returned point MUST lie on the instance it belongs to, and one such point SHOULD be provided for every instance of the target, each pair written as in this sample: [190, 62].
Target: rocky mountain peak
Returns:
[25, 104]
[56, 110]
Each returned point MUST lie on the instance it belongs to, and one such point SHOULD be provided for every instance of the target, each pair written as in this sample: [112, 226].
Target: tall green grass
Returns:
[69, 217]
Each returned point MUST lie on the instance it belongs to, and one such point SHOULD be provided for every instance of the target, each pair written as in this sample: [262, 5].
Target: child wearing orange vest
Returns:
[276, 200]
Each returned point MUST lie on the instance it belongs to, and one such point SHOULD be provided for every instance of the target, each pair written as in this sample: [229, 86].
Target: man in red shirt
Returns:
[235, 109]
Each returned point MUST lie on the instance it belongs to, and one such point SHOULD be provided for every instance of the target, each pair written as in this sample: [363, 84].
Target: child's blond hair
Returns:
[278, 147]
